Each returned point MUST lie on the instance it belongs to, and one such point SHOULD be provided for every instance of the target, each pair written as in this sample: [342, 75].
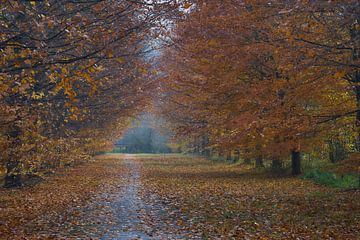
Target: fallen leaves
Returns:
[72, 202]
[183, 197]
[220, 201]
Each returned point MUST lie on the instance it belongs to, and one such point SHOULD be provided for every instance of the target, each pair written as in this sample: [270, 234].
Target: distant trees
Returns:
[143, 140]
[272, 79]
[144, 137]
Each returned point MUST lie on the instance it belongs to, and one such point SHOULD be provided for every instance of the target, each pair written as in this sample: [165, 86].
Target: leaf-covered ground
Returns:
[222, 201]
[175, 197]
[97, 200]
[71, 203]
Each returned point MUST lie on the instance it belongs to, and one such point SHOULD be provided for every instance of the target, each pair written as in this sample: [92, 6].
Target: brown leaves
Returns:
[222, 201]
[255, 75]
[69, 203]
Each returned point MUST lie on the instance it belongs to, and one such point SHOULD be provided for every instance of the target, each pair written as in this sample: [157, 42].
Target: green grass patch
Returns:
[332, 180]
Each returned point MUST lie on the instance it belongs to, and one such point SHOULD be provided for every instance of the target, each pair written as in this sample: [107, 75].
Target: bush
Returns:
[332, 180]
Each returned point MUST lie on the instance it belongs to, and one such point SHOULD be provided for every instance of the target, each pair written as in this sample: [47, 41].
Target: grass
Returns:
[332, 180]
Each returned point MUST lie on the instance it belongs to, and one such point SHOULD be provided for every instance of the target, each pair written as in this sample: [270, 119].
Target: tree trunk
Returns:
[197, 151]
[207, 153]
[356, 81]
[259, 163]
[295, 162]
[228, 156]
[237, 156]
[13, 176]
[13, 173]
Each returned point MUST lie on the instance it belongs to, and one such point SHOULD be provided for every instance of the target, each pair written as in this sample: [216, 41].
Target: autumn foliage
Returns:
[264, 78]
[72, 75]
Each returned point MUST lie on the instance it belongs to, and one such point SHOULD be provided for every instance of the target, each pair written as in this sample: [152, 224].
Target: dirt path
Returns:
[136, 219]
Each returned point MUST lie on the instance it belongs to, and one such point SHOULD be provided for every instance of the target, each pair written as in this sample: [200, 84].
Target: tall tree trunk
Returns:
[13, 172]
[259, 162]
[295, 162]
[13, 175]
[207, 152]
[357, 92]
[237, 155]
[228, 156]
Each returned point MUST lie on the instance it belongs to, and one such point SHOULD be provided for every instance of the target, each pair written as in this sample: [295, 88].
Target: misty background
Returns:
[147, 135]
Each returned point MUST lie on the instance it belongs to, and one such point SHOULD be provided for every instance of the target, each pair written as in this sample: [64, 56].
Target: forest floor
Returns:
[175, 197]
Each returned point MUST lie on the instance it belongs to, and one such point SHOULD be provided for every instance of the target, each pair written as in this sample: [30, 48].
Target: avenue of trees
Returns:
[259, 80]
[265, 79]
[72, 75]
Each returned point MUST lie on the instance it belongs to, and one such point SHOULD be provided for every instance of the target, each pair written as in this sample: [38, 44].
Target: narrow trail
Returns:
[132, 214]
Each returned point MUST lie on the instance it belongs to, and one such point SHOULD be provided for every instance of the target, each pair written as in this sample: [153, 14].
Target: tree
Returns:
[69, 71]
[250, 76]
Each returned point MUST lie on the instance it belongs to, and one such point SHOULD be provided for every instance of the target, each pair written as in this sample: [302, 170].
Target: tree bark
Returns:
[237, 156]
[295, 162]
[13, 172]
[355, 81]
[259, 162]
[207, 153]
[357, 91]
[228, 156]
[13, 176]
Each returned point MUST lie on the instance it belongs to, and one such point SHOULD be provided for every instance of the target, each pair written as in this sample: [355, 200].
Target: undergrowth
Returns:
[345, 181]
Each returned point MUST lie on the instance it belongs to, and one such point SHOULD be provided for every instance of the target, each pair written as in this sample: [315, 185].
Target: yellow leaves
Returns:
[110, 53]
[143, 70]
[120, 60]
[74, 109]
[87, 77]
[33, 3]
[73, 117]
[37, 96]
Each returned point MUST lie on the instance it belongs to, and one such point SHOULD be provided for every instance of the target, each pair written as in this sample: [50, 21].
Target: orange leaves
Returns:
[273, 64]
[340, 74]
[187, 6]
[224, 201]
[71, 197]
[98, 7]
